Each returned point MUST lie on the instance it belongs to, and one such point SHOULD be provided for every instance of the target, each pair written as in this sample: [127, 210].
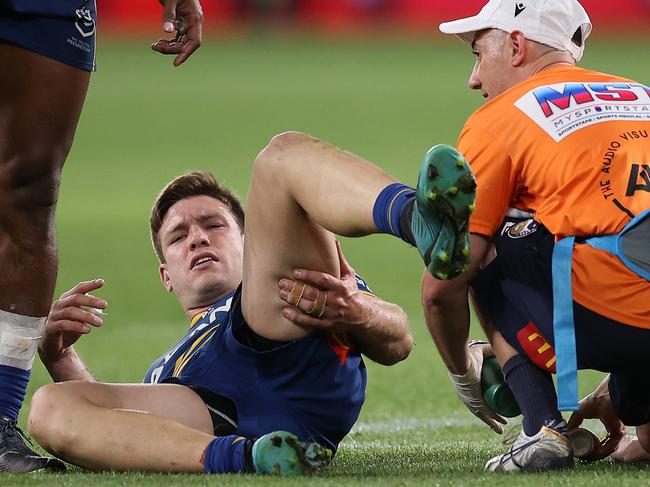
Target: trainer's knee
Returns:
[50, 422]
[281, 154]
[30, 180]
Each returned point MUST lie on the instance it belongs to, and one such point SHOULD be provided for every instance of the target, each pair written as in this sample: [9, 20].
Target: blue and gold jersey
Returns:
[313, 387]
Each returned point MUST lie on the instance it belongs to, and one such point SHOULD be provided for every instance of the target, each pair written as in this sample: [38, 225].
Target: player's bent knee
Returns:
[289, 139]
[41, 422]
[280, 154]
[32, 180]
[49, 422]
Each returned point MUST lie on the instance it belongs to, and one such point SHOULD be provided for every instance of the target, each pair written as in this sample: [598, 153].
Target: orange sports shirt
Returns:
[573, 146]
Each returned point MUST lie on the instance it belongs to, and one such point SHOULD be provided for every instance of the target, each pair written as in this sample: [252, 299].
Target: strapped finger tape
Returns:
[318, 309]
[296, 293]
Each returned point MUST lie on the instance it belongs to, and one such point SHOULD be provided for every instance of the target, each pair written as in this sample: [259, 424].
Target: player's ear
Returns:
[518, 48]
[164, 277]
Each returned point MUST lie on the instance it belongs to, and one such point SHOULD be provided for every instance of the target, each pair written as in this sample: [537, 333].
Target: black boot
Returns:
[16, 456]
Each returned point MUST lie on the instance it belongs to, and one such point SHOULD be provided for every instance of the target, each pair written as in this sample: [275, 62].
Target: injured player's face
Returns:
[203, 248]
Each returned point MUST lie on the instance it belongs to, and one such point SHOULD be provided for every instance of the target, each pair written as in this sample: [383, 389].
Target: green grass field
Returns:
[388, 100]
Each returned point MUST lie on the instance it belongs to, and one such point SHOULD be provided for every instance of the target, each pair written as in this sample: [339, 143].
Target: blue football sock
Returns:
[393, 210]
[533, 388]
[226, 454]
[13, 385]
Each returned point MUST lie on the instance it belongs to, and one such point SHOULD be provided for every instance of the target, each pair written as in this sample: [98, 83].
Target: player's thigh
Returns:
[173, 401]
[279, 237]
[40, 105]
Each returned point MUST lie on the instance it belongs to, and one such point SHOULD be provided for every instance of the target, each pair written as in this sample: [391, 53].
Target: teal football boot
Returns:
[444, 201]
[283, 454]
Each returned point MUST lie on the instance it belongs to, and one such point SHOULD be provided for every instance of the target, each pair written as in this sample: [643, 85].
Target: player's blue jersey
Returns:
[313, 387]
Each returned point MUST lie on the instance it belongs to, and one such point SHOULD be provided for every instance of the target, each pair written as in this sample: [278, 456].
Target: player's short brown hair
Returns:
[195, 183]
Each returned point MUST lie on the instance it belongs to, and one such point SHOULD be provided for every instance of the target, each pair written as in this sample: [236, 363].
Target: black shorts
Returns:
[222, 410]
[63, 30]
[516, 291]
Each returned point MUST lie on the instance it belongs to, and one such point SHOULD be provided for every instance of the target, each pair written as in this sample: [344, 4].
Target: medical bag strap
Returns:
[613, 244]
[563, 324]
[564, 327]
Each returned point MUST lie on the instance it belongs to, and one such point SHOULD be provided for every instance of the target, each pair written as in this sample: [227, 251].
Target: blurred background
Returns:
[372, 76]
[351, 15]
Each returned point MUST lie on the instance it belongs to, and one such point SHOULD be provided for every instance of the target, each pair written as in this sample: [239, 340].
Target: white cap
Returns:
[562, 24]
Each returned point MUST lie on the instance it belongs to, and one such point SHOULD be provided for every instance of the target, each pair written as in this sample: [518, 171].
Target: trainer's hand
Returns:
[598, 405]
[68, 320]
[468, 386]
[185, 18]
[345, 307]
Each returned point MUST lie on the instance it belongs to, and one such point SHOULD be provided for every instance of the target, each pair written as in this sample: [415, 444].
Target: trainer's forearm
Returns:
[447, 317]
[69, 367]
[385, 337]
[446, 309]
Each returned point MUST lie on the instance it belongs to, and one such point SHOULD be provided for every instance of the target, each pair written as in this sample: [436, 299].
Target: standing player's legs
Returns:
[40, 104]
[302, 190]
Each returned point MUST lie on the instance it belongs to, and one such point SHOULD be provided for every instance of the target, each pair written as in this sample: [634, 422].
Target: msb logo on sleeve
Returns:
[561, 109]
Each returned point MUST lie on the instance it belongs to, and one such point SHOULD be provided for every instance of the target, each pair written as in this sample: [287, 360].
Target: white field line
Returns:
[356, 439]
[406, 425]
[410, 424]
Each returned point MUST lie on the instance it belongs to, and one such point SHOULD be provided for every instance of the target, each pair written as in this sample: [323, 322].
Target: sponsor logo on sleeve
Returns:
[564, 108]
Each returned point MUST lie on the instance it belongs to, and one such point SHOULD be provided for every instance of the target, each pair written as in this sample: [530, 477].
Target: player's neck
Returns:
[192, 313]
[200, 306]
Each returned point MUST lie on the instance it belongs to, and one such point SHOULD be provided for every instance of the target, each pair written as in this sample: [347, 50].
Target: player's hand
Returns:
[326, 302]
[69, 318]
[598, 405]
[185, 19]
[468, 386]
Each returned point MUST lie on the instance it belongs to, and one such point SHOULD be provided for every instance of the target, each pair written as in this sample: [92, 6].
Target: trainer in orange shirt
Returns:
[557, 151]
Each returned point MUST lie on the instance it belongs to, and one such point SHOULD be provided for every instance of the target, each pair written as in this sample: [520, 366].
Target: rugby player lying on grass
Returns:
[250, 364]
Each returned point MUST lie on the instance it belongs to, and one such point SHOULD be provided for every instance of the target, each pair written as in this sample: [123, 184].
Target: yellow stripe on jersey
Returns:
[197, 318]
[182, 361]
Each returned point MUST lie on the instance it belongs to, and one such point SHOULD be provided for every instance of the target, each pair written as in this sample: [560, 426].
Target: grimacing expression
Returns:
[203, 248]
[493, 70]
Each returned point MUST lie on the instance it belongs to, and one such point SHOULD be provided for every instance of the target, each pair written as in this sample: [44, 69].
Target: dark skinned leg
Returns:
[40, 104]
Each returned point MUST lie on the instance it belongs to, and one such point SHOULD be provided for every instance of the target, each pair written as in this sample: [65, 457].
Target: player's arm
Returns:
[69, 319]
[378, 327]
[384, 336]
[185, 19]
